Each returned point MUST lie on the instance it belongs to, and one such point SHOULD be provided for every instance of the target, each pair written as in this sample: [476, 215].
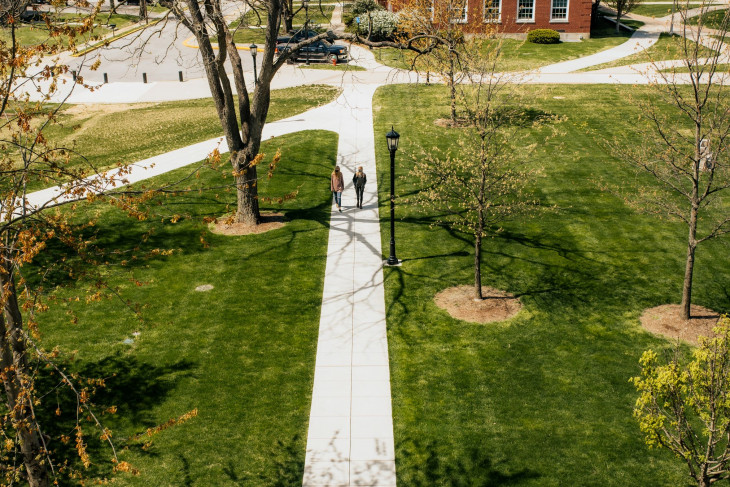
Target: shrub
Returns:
[365, 6]
[384, 24]
[543, 36]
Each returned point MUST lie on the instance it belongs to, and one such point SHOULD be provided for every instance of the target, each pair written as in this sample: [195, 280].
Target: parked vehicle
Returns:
[321, 50]
[295, 36]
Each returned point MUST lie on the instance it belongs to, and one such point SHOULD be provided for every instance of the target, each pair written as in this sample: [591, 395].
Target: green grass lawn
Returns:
[712, 20]
[665, 49]
[157, 9]
[542, 399]
[34, 34]
[520, 55]
[242, 353]
[244, 36]
[107, 135]
[653, 10]
[721, 68]
[634, 24]
[317, 15]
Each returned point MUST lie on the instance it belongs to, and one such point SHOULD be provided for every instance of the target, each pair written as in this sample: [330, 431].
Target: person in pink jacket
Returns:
[337, 186]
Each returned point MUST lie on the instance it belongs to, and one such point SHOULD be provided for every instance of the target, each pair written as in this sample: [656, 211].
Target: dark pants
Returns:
[358, 191]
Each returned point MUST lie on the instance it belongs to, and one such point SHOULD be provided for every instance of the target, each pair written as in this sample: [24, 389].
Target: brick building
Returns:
[512, 18]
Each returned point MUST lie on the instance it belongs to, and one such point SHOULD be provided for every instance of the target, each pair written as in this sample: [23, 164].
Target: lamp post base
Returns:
[394, 263]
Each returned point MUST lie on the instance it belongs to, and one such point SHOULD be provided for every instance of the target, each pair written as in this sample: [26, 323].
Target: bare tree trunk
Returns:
[287, 15]
[689, 267]
[142, 10]
[478, 255]
[478, 267]
[14, 363]
[452, 87]
[618, 17]
[247, 194]
[288, 23]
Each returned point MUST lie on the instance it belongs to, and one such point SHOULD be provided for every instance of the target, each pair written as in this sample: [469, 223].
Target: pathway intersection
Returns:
[350, 435]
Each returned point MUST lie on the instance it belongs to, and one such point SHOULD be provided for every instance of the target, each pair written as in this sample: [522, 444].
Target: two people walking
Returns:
[337, 186]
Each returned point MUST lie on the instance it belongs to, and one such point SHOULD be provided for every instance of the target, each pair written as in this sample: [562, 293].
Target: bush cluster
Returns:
[384, 24]
[365, 6]
[543, 36]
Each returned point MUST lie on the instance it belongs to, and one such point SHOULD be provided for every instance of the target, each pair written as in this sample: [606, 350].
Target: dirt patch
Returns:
[85, 111]
[496, 306]
[269, 221]
[667, 321]
[448, 124]
[84, 117]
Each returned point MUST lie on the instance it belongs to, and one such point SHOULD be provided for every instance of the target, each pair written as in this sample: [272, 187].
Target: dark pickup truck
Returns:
[321, 50]
[295, 36]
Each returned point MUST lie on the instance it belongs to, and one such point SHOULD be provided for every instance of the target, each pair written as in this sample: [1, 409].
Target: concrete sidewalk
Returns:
[350, 439]
[639, 41]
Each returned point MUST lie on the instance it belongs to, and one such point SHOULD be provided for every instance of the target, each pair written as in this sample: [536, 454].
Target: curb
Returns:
[189, 43]
[107, 40]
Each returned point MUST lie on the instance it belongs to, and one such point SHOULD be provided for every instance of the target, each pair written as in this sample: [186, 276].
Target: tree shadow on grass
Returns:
[567, 278]
[425, 463]
[285, 469]
[134, 387]
[115, 244]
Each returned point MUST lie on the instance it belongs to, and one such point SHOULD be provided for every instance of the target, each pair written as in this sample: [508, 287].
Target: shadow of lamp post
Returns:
[254, 52]
[392, 138]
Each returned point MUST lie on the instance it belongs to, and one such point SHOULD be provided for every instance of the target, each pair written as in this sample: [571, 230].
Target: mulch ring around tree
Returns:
[459, 302]
[666, 320]
[269, 221]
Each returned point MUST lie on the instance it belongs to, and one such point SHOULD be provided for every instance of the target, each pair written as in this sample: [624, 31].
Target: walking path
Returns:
[639, 41]
[350, 438]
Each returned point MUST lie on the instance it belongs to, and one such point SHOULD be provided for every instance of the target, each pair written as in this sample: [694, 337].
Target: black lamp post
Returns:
[254, 50]
[392, 138]
[305, 4]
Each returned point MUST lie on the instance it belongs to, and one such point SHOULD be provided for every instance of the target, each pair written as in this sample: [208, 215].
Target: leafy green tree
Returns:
[482, 180]
[34, 450]
[622, 7]
[684, 406]
[684, 126]
[442, 20]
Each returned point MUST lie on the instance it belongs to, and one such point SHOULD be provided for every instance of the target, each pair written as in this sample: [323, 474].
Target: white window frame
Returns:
[525, 20]
[492, 20]
[465, 18]
[567, 11]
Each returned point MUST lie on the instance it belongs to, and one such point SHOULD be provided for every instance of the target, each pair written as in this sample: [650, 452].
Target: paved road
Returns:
[157, 51]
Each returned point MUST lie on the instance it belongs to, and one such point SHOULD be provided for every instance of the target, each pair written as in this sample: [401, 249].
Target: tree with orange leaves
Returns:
[28, 224]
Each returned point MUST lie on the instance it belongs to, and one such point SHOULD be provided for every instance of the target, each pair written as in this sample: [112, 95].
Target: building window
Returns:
[559, 10]
[492, 10]
[458, 11]
[525, 10]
